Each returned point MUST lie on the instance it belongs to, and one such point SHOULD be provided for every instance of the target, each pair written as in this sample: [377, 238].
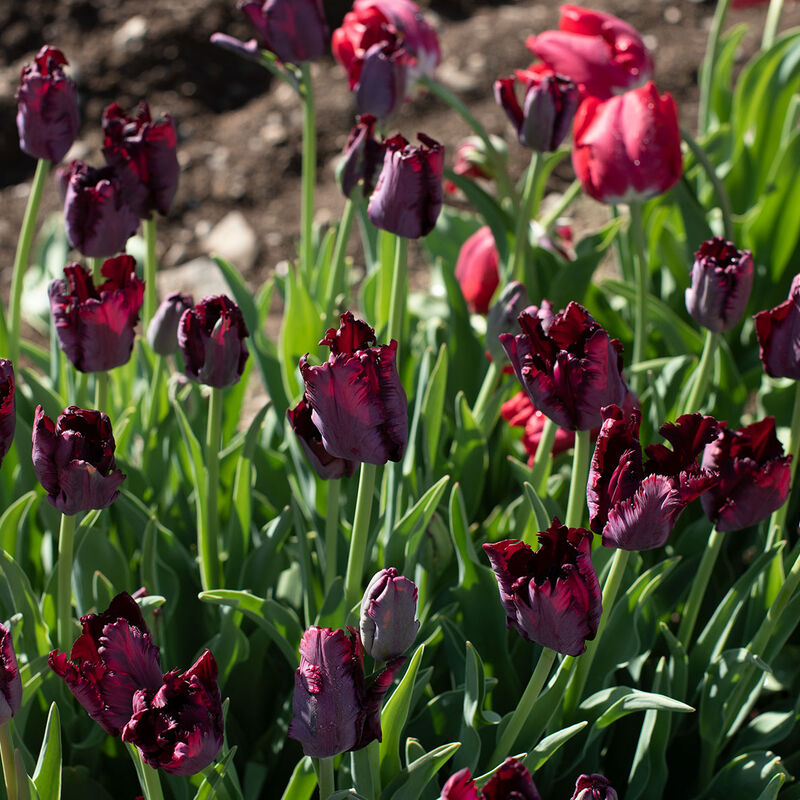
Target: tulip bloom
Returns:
[478, 270]
[363, 156]
[110, 661]
[177, 724]
[600, 52]
[162, 332]
[8, 407]
[722, 278]
[10, 680]
[754, 476]
[95, 326]
[387, 624]
[520, 412]
[511, 780]
[358, 404]
[295, 30]
[778, 331]
[627, 148]
[325, 465]
[594, 787]
[635, 505]
[74, 459]
[143, 153]
[47, 107]
[502, 317]
[550, 596]
[211, 337]
[408, 197]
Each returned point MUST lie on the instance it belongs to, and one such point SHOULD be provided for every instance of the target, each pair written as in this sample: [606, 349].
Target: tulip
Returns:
[778, 331]
[460, 786]
[112, 659]
[74, 459]
[627, 148]
[408, 197]
[328, 467]
[211, 337]
[47, 107]
[520, 412]
[383, 78]
[10, 680]
[502, 317]
[357, 401]
[551, 596]
[594, 787]
[95, 326]
[511, 780]
[471, 159]
[568, 364]
[178, 724]
[754, 476]
[98, 219]
[162, 332]
[143, 153]
[8, 407]
[600, 52]
[722, 278]
[478, 270]
[363, 155]
[387, 624]
[295, 30]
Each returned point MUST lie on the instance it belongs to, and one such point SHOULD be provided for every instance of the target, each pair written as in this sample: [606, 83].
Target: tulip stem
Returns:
[709, 62]
[101, 391]
[155, 394]
[7, 757]
[336, 274]
[771, 23]
[23, 254]
[544, 455]
[576, 502]
[149, 779]
[208, 546]
[524, 707]
[527, 210]
[358, 537]
[327, 786]
[308, 172]
[778, 519]
[699, 585]
[491, 380]
[399, 283]
[702, 374]
[550, 219]
[332, 531]
[641, 274]
[66, 536]
[97, 270]
[150, 267]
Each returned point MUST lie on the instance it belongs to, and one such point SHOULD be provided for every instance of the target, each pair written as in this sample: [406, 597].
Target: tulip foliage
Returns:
[574, 489]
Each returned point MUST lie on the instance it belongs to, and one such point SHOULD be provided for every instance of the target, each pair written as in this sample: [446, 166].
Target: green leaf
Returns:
[300, 329]
[212, 785]
[469, 458]
[543, 751]
[418, 774]
[537, 506]
[473, 715]
[752, 775]
[47, 776]
[302, 783]
[11, 521]
[17, 594]
[433, 408]
[609, 705]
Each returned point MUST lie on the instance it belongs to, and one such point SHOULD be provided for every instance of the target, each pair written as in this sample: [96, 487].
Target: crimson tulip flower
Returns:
[778, 331]
[10, 680]
[8, 407]
[478, 270]
[511, 780]
[520, 412]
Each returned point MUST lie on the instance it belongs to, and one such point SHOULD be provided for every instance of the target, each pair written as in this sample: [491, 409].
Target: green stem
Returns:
[399, 283]
[358, 537]
[332, 531]
[97, 270]
[155, 395]
[149, 779]
[771, 24]
[491, 380]
[308, 172]
[23, 254]
[101, 392]
[336, 281]
[544, 455]
[525, 706]
[641, 277]
[699, 586]
[577, 487]
[709, 62]
[326, 782]
[7, 757]
[150, 267]
[527, 210]
[777, 521]
[66, 536]
[567, 199]
[208, 544]
[702, 374]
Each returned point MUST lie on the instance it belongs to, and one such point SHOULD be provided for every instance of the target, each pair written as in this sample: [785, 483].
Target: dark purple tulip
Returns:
[460, 786]
[551, 596]
[408, 197]
[95, 326]
[357, 401]
[47, 107]
[8, 406]
[249, 49]
[162, 332]
[634, 506]
[382, 83]
[211, 336]
[112, 659]
[511, 781]
[722, 278]
[754, 476]
[778, 331]
[594, 787]
[325, 465]
[144, 155]
[74, 459]
[503, 315]
[295, 30]
[98, 219]
[363, 154]
[388, 608]
[333, 710]
[177, 724]
[10, 680]
[568, 365]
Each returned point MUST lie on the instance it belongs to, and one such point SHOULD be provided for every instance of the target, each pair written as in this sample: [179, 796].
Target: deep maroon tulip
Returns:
[778, 331]
[722, 278]
[478, 270]
[325, 465]
[144, 155]
[754, 476]
[388, 608]
[295, 30]
[551, 596]
[568, 365]
[357, 401]
[10, 680]
[408, 197]
[177, 725]
[47, 107]
[212, 338]
[460, 786]
[594, 787]
[8, 406]
[363, 157]
[95, 326]
[112, 659]
[162, 332]
[520, 412]
[511, 781]
[502, 317]
[98, 219]
[74, 459]
[333, 709]
[381, 87]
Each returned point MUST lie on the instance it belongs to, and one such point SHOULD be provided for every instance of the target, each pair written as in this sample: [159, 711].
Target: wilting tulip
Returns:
[502, 317]
[635, 505]
[144, 155]
[520, 412]
[162, 332]
[754, 476]
[110, 661]
[568, 364]
[74, 459]
[47, 107]
[778, 331]
[178, 725]
[295, 30]
[477, 270]
[363, 157]
[95, 326]
[357, 401]
[211, 337]
[600, 52]
[333, 711]
[98, 219]
[10, 680]
[627, 148]
[8, 406]
[551, 596]
[408, 197]
[511, 780]
[548, 106]
[325, 465]
[722, 278]
[594, 787]
[387, 624]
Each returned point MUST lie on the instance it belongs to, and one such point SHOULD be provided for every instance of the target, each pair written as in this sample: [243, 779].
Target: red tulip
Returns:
[477, 270]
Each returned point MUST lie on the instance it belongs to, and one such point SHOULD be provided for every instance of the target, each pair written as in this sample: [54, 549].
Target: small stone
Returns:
[233, 239]
[199, 277]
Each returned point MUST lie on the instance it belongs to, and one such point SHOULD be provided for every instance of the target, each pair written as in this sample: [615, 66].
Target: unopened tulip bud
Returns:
[502, 317]
[162, 332]
[10, 681]
[594, 787]
[388, 627]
